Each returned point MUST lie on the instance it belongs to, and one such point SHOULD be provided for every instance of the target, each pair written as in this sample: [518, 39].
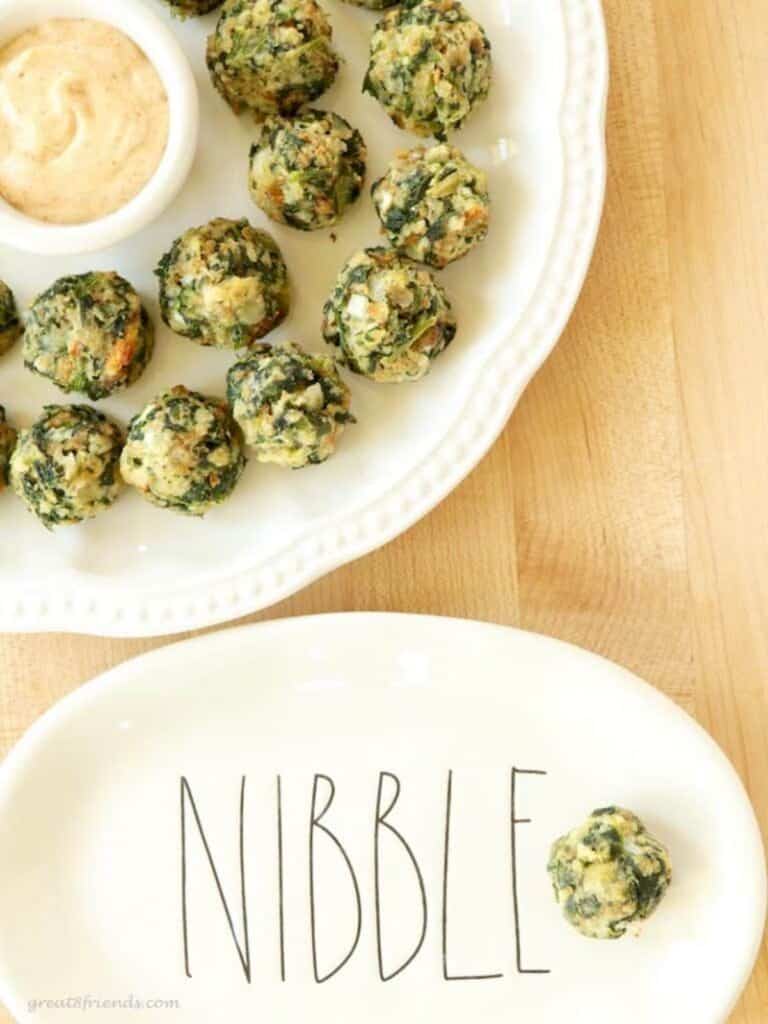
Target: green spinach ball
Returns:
[192, 8]
[430, 65]
[389, 317]
[183, 452]
[272, 56]
[609, 873]
[10, 324]
[306, 170]
[223, 284]
[65, 467]
[433, 204]
[89, 333]
[291, 406]
[7, 444]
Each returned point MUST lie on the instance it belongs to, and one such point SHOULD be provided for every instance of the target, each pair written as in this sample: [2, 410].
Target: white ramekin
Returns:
[139, 23]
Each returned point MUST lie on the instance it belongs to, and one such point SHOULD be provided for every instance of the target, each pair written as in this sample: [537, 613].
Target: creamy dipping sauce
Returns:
[83, 121]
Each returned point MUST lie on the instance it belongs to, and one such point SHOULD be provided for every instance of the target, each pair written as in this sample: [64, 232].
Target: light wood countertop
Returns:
[625, 507]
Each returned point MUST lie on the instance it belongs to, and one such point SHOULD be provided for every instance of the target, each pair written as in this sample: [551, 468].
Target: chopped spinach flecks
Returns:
[389, 318]
[609, 873]
[291, 405]
[433, 204]
[10, 322]
[89, 333]
[307, 169]
[430, 65]
[272, 56]
[224, 284]
[184, 452]
[7, 444]
[65, 466]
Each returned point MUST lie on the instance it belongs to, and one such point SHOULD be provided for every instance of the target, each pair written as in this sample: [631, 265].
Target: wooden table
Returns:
[625, 506]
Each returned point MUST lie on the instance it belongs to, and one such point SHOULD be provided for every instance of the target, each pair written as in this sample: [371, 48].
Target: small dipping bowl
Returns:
[149, 33]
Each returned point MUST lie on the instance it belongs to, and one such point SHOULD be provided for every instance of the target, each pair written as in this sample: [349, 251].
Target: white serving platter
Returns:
[107, 892]
[137, 570]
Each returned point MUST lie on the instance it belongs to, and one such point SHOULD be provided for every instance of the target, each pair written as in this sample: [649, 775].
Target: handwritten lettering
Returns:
[446, 861]
[394, 856]
[243, 951]
[382, 822]
[515, 821]
[317, 825]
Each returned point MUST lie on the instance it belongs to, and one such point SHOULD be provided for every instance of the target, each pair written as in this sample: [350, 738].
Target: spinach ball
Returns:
[609, 873]
[271, 56]
[7, 444]
[433, 204]
[89, 333]
[291, 406]
[192, 8]
[65, 468]
[389, 317]
[10, 324]
[306, 170]
[223, 284]
[430, 65]
[183, 452]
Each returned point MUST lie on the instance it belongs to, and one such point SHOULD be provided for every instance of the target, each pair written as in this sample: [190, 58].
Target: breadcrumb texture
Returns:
[609, 873]
[272, 56]
[389, 317]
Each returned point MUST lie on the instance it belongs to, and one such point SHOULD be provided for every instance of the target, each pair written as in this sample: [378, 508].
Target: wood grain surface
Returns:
[624, 508]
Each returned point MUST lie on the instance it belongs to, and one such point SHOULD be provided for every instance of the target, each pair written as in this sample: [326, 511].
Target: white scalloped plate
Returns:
[137, 570]
[95, 876]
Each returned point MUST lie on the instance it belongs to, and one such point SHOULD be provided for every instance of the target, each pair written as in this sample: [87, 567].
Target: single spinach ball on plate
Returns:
[433, 204]
[307, 169]
[609, 873]
[223, 284]
[183, 452]
[430, 65]
[89, 333]
[389, 317]
[272, 56]
[10, 324]
[65, 467]
[292, 406]
[7, 444]
[192, 8]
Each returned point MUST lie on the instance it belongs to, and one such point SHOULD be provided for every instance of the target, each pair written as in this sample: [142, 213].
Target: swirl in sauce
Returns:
[83, 121]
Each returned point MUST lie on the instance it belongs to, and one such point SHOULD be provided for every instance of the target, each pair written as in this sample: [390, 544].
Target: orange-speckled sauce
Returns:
[83, 121]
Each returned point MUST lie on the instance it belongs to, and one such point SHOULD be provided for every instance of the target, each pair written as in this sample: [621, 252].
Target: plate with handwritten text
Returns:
[349, 818]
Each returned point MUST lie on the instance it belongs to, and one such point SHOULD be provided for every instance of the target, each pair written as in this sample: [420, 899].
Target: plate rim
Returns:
[17, 759]
[82, 603]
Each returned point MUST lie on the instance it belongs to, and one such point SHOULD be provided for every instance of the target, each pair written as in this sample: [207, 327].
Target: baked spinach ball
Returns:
[10, 324]
[389, 317]
[183, 452]
[89, 333]
[291, 406]
[609, 873]
[192, 8]
[65, 467]
[223, 284]
[430, 65]
[7, 443]
[433, 204]
[271, 56]
[306, 170]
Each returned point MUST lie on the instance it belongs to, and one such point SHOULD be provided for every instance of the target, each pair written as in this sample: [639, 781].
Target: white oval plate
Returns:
[137, 570]
[93, 867]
